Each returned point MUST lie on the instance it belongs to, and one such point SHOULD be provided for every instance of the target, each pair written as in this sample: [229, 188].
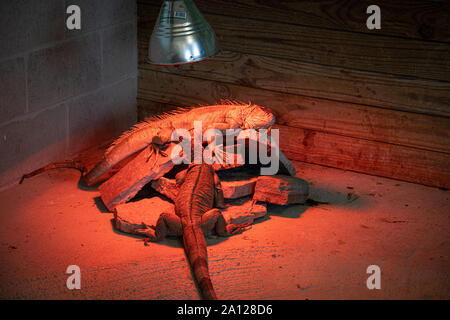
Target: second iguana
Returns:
[195, 214]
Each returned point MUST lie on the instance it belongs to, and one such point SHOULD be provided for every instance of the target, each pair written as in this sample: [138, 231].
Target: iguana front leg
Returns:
[213, 219]
[166, 222]
[219, 200]
[157, 150]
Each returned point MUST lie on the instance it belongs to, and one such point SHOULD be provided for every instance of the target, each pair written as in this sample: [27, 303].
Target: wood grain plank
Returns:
[358, 121]
[428, 20]
[428, 60]
[148, 108]
[370, 157]
[375, 158]
[312, 80]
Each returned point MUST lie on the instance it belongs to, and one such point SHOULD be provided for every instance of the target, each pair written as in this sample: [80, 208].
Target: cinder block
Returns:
[96, 14]
[12, 89]
[63, 71]
[95, 118]
[28, 144]
[27, 24]
[119, 52]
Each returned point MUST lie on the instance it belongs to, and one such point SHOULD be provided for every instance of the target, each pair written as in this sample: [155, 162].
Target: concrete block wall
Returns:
[63, 90]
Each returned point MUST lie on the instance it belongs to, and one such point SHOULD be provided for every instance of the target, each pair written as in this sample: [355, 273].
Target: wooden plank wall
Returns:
[372, 101]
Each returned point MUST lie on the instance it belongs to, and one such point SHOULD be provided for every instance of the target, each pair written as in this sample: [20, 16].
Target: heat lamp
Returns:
[181, 35]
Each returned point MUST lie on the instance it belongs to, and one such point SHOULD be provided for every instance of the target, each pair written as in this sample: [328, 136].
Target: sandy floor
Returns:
[298, 252]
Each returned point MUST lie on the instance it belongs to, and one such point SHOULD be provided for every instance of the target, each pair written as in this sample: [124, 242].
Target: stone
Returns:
[133, 215]
[221, 162]
[285, 165]
[136, 215]
[238, 188]
[231, 189]
[167, 187]
[281, 189]
[238, 182]
[145, 167]
[243, 210]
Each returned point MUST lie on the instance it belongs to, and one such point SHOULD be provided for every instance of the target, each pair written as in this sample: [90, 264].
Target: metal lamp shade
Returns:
[181, 35]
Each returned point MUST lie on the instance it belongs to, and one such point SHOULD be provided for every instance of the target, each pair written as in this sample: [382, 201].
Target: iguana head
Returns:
[256, 117]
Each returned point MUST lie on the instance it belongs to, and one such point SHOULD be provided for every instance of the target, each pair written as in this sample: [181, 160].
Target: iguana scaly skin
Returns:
[194, 215]
[158, 130]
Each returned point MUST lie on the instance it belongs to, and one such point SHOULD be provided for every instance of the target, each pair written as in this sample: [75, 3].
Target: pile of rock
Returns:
[246, 192]
[246, 196]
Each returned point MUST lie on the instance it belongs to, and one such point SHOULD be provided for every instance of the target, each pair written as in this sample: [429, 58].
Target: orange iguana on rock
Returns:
[157, 131]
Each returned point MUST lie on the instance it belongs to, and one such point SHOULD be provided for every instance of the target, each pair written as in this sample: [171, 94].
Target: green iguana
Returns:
[158, 130]
[194, 214]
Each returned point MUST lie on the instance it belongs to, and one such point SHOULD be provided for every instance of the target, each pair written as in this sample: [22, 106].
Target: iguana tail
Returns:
[68, 164]
[195, 246]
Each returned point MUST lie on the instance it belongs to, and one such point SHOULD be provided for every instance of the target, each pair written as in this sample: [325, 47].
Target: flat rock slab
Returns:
[133, 215]
[232, 189]
[230, 152]
[280, 189]
[243, 210]
[238, 188]
[167, 187]
[285, 165]
[228, 159]
[145, 167]
[136, 215]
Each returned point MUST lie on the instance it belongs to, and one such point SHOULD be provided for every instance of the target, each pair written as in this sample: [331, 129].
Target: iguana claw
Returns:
[157, 151]
[163, 153]
[237, 228]
[147, 231]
